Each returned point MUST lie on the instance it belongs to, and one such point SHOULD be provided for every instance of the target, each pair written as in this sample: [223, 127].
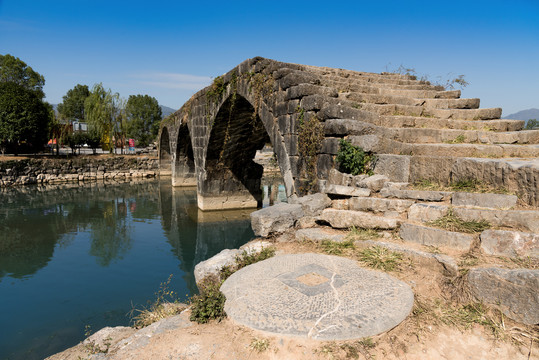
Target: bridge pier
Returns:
[227, 189]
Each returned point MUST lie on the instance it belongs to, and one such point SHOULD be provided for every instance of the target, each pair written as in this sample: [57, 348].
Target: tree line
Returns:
[27, 121]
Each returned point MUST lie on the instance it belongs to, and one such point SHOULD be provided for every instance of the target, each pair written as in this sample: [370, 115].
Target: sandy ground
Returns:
[429, 332]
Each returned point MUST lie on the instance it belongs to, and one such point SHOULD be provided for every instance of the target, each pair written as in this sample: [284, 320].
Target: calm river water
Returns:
[84, 256]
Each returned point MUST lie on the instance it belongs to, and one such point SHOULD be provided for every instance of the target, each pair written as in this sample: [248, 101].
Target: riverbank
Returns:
[47, 170]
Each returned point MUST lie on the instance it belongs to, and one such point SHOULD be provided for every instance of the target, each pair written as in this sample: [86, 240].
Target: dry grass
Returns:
[378, 257]
[451, 222]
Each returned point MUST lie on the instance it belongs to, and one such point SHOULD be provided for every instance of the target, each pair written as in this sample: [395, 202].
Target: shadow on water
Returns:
[72, 256]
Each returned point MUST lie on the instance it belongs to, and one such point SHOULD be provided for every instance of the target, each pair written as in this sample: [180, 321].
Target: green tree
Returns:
[72, 107]
[13, 69]
[532, 124]
[24, 118]
[103, 110]
[144, 115]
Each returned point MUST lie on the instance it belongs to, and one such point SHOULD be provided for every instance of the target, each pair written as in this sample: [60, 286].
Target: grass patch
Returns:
[165, 304]
[465, 185]
[336, 248]
[451, 222]
[362, 234]
[458, 140]
[464, 317]
[259, 345]
[380, 258]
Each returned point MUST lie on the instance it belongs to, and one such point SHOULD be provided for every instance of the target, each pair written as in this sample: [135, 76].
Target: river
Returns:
[73, 258]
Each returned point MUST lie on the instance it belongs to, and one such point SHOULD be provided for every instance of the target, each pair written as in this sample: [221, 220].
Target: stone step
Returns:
[422, 94]
[433, 123]
[402, 100]
[464, 114]
[343, 83]
[379, 204]
[519, 176]
[484, 200]
[510, 243]
[344, 219]
[341, 190]
[422, 195]
[380, 145]
[431, 236]
[520, 220]
[523, 220]
[450, 103]
[343, 127]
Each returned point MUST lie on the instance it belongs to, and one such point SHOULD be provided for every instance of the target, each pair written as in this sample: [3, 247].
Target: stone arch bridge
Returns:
[419, 131]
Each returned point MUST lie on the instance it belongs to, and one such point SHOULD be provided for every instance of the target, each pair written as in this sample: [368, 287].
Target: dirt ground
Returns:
[437, 328]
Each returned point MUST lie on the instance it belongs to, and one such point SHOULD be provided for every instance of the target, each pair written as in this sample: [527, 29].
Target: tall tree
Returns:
[103, 110]
[13, 69]
[72, 107]
[144, 114]
[24, 118]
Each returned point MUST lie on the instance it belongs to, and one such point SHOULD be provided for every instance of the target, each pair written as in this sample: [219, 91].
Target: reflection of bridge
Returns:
[196, 235]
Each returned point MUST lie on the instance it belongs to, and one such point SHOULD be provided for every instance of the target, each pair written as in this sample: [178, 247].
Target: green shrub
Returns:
[353, 160]
[210, 303]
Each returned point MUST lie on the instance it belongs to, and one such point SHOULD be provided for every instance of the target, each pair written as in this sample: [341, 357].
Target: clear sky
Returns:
[171, 49]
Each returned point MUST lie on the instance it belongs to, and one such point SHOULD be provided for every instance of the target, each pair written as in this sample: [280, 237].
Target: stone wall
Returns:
[53, 171]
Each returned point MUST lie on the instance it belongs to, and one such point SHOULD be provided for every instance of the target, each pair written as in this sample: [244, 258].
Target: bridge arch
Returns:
[165, 157]
[184, 171]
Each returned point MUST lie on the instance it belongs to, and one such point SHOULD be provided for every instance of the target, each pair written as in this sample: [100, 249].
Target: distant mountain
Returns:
[524, 115]
[166, 111]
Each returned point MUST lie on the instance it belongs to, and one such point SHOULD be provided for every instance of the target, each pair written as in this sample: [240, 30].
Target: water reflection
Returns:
[88, 253]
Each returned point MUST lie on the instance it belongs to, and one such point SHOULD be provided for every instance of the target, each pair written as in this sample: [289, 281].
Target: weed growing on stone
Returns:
[310, 137]
[451, 222]
[362, 234]
[458, 140]
[380, 258]
[354, 160]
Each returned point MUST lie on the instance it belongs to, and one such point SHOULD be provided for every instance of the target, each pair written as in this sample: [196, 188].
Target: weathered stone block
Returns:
[495, 201]
[374, 183]
[276, 218]
[436, 237]
[379, 205]
[213, 265]
[347, 190]
[414, 194]
[514, 291]
[510, 243]
[426, 212]
[313, 205]
[395, 167]
[343, 219]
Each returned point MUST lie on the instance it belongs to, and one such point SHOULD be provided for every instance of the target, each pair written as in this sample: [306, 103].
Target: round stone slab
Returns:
[316, 296]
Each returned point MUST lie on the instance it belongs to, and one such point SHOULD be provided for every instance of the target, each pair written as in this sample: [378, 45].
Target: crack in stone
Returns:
[336, 293]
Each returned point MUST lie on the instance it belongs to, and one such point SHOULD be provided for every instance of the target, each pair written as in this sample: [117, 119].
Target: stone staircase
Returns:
[423, 130]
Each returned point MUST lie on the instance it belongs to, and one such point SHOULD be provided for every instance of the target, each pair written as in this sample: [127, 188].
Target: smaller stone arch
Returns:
[165, 157]
[184, 171]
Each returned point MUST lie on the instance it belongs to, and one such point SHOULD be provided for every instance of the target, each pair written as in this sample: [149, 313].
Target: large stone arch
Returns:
[165, 157]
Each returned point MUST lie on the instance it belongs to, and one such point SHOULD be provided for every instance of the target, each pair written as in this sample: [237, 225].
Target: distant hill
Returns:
[166, 111]
[524, 115]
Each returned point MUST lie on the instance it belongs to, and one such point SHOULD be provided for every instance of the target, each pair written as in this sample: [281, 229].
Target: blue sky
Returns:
[171, 49]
